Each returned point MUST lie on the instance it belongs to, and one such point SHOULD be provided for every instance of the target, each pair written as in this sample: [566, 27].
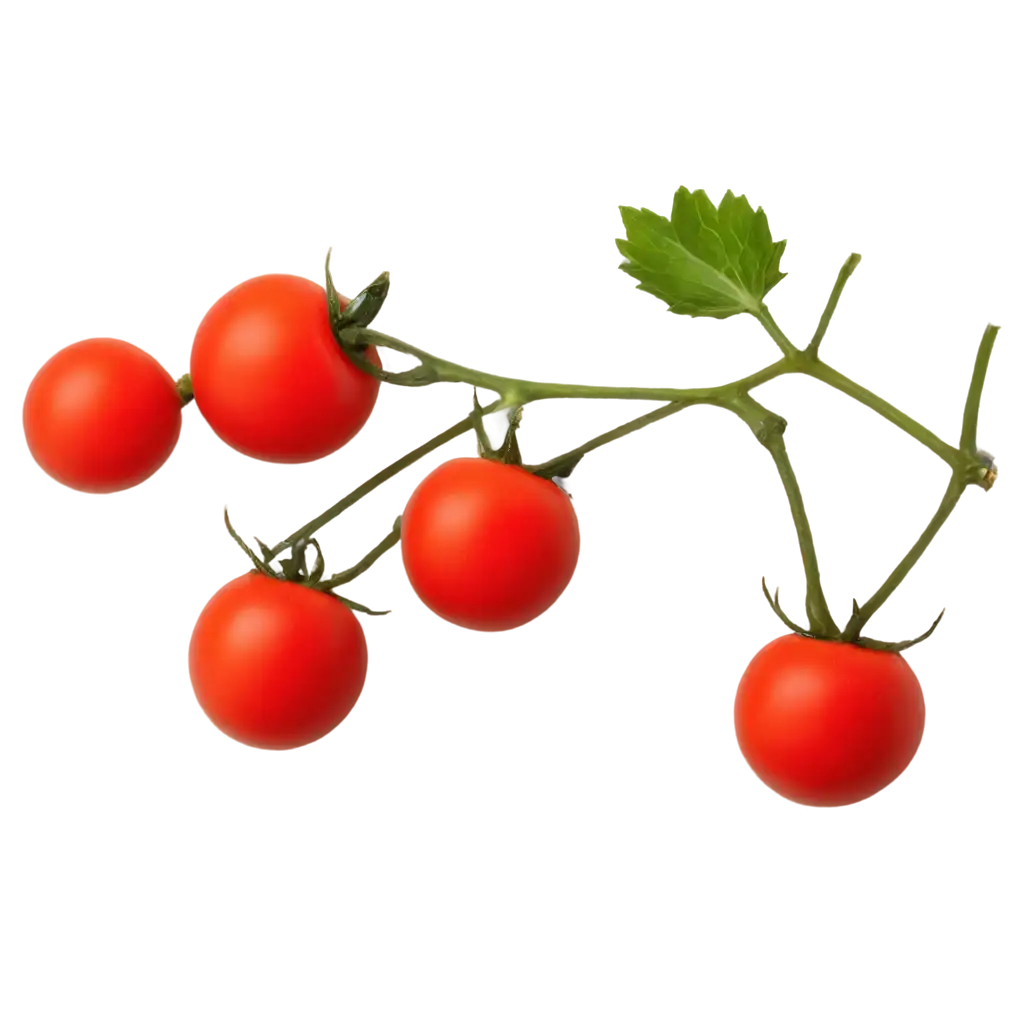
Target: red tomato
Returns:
[269, 377]
[828, 723]
[488, 546]
[101, 416]
[276, 664]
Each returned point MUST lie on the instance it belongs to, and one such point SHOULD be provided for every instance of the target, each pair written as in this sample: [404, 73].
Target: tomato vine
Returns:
[967, 463]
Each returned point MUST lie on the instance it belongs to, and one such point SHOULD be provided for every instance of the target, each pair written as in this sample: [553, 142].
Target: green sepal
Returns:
[264, 550]
[777, 608]
[361, 311]
[901, 645]
[316, 573]
[508, 453]
[294, 568]
[262, 566]
[356, 607]
[560, 467]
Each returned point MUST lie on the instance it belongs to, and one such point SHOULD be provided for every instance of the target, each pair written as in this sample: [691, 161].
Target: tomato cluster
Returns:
[488, 545]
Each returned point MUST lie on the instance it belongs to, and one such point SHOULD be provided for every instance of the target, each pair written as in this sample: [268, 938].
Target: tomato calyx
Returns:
[349, 320]
[508, 453]
[362, 310]
[558, 468]
[851, 634]
[296, 569]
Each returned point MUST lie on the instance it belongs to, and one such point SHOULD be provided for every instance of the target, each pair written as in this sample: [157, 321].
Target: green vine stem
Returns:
[862, 613]
[833, 300]
[375, 481]
[513, 391]
[969, 466]
[341, 578]
[768, 428]
[969, 430]
[563, 465]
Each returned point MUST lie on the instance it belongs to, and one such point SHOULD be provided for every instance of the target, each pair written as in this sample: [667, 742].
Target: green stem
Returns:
[775, 332]
[562, 465]
[375, 481]
[807, 362]
[825, 373]
[861, 615]
[833, 300]
[969, 432]
[366, 561]
[768, 428]
[514, 391]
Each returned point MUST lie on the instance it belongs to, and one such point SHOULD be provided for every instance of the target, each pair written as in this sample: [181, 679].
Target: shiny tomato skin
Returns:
[275, 664]
[826, 723]
[101, 416]
[269, 377]
[488, 546]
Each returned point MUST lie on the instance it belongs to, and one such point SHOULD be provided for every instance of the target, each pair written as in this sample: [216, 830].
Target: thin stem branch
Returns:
[823, 372]
[833, 300]
[570, 458]
[768, 428]
[366, 561]
[969, 433]
[375, 481]
[775, 332]
[949, 499]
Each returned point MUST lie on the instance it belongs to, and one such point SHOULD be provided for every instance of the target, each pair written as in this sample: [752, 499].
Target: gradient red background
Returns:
[151, 872]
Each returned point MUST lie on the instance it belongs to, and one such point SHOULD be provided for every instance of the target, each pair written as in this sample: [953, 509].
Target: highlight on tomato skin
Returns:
[275, 664]
[489, 546]
[101, 416]
[826, 723]
[269, 377]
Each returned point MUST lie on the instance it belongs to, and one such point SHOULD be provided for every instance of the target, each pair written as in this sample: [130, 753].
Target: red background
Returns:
[153, 873]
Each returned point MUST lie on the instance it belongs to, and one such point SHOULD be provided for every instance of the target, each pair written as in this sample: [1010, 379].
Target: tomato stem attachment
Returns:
[498, 428]
[285, 560]
[183, 385]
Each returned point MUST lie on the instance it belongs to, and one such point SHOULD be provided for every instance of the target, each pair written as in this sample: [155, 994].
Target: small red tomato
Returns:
[276, 664]
[269, 377]
[101, 416]
[827, 723]
[488, 546]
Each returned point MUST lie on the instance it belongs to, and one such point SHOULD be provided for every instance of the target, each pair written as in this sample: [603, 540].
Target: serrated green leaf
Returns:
[704, 261]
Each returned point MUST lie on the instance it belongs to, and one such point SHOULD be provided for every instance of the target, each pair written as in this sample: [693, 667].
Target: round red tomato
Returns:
[276, 664]
[827, 723]
[269, 377]
[488, 546]
[102, 415]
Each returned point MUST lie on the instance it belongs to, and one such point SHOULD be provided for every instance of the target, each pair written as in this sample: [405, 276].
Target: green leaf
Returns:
[705, 261]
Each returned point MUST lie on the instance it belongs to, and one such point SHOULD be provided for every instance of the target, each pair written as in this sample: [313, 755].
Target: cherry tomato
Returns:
[276, 664]
[828, 723]
[269, 377]
[101, 416]
[488, 546]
